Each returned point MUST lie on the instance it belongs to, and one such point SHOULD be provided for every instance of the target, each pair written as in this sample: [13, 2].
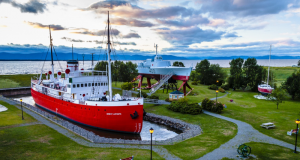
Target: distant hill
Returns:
[67, 56]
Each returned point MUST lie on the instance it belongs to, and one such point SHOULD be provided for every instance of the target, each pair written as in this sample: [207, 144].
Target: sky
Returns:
[195, 28]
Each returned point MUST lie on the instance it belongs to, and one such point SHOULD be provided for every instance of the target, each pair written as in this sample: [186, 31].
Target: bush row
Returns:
[184, 107]
[211, 105]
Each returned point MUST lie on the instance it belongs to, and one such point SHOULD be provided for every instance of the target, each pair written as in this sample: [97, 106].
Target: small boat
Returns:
[81, 97]
[266, 88]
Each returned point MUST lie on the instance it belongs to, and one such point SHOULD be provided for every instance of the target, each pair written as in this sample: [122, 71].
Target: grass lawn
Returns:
[13, 116]
[42, 142]
[272, 152]
[281, 73]
[215, 133]
[255, 112]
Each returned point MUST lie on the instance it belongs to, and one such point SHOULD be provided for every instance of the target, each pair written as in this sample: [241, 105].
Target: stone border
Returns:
[189, 130]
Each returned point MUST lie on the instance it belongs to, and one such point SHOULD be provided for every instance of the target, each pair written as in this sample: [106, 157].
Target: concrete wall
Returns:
[15, 91]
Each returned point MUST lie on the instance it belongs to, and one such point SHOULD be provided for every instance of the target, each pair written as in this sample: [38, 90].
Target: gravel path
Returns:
[246, 133]
[158, 149]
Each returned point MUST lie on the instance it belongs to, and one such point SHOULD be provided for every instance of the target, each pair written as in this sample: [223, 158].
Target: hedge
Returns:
[211, 105]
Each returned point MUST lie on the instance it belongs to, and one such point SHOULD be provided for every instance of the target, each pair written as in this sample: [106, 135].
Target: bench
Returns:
[267, 125]
[293, 131]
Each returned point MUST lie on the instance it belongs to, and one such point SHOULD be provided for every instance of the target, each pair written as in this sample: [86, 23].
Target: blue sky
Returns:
[196, 28]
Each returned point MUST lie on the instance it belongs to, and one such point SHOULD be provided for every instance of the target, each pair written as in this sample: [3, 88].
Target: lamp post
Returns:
[151, 130]
[217, 82]
[297, 122]
[22, 109]
[216, 96]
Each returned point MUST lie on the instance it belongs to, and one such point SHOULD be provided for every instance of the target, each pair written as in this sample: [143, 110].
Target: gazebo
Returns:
[175, 95]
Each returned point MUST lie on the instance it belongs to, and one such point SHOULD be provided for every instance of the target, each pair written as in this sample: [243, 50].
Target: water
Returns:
[34, 67]
[161, 132]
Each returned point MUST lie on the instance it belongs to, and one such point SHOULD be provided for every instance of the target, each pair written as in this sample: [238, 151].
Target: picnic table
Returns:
[267, 125]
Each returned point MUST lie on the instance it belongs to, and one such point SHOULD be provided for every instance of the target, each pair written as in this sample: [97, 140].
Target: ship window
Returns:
[85, 85]
[106, 83]
[81, 85]
[87, 94]
[101, 84]
[69, 86]
[78, 85]
[74, 85]
[89, 84]
[96, 84]
[92, 84]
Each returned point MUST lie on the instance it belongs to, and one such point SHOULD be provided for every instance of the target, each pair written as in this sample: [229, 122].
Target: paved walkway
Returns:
[158, 149]
[246, 133]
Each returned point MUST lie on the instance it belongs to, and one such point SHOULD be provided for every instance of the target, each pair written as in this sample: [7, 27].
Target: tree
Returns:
[178, 64]
[203, 69]
[299, 63]
[278, 95]
[236, 78]
[127, 86]
[292, 84]
[216, 74]
[101, 66]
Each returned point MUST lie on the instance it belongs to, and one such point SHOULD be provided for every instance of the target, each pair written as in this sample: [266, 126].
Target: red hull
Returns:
[113, 118]
[265, 90]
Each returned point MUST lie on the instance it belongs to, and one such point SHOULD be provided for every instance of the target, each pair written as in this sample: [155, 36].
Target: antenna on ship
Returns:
[92, 59]
[269, 64]
[109, 65]
[155, 46]
[52, 64]
[72, 51]
[83, 59]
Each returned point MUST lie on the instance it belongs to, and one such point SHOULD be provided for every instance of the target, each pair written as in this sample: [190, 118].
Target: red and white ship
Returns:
[266, 88]
[81, 97]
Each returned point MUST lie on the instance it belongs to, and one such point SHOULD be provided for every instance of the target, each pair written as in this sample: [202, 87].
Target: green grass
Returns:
[282, 73]
[272, 152]
[255, 112]
[42, 142]
[7, 83]
[13, 116]
[215, 133]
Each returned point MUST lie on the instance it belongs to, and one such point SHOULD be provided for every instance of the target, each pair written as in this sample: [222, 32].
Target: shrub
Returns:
[226, 87]
[127, 86]
[221, 90]
[210, 105]
[182, 106]
[213, 87]
[144, 94]
[194, 83]
[153, 97]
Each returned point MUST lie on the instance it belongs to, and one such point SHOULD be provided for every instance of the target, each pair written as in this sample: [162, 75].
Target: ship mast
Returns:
[109, 65]
[269, 65]
[52, 64]
[155, 49]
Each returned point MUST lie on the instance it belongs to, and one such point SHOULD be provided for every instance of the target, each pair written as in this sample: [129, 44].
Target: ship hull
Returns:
[112, 118]
[179, 73]
[265, 90]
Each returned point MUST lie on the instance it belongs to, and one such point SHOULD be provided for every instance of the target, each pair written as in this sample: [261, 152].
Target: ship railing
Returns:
[87, 73]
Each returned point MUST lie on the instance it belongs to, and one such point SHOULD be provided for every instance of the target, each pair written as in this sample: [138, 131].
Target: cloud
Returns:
[132, 35]
[277, 43]
[185, 3]
[52, 26]
[245, 7]
[218, 23]
[33, 6]
[110, 4]
[72, 40]
[190, 35]
[185, 22]
[231, 35]
[131, 22]
[251, 26]
[98, 33]
[3, 26]
[126, 43]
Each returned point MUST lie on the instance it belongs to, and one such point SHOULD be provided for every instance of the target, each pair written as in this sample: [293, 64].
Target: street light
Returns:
[151, 130]
[216, 96]
[22, 109]
[297, 121]
[217, 82]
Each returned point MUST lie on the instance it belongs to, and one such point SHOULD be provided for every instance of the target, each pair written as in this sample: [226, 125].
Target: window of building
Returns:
[175, 97]
[170, 96]
[78, 85]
